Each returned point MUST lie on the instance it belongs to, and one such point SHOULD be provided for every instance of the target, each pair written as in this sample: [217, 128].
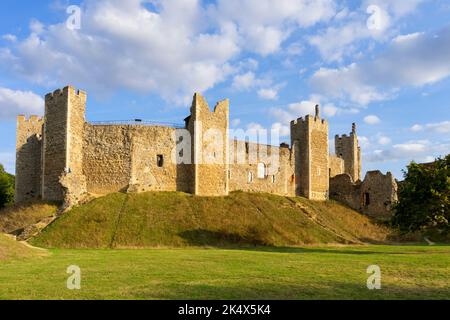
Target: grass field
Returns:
[408, 272]
[181, 220]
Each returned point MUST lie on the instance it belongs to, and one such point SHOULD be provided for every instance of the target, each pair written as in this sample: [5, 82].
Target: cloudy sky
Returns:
[384, 64]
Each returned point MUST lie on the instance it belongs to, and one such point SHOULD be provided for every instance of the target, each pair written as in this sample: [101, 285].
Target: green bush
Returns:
[424, 198]
[6, 188]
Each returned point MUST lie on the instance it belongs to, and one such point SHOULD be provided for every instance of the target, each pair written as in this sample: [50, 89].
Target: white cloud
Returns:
[364, 142]
[172, 48]
[282, 129]
[9, 37]
[384, 140]
[441, 127]
[372, 119]
[301, 109]
[244, 81]
[410, 150]
[374, 21]
[263, 25]
[122, 44]
[268, 93]
[14, 102]
[425, 59]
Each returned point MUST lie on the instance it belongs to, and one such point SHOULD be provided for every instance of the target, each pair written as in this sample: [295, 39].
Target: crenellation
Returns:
[62, 157]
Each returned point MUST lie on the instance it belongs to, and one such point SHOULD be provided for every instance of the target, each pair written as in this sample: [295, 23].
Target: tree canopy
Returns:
[6, 188]
[424, 198]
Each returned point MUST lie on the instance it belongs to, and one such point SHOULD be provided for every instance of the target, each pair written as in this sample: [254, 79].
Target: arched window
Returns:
[261, 170]
[250, 177]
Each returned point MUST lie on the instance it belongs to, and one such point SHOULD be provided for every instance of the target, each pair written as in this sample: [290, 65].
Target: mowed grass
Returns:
[408, 272]
[181, 220]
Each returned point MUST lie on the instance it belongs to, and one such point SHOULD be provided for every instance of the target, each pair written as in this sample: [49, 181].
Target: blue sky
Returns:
[384, 64]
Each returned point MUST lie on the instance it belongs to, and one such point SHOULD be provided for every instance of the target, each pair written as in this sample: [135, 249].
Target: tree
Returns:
[6, 188]
[424, 198]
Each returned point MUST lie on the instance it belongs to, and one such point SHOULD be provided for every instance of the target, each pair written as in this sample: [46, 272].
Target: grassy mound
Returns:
[176, 220]
[20, 216]
[11, 249]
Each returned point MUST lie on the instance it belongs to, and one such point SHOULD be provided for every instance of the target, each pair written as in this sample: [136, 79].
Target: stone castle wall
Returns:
[107, 158]
[28, 158]
[374, 196]
[125, 157]
[62, 157]
[337, 166]
[209, 131]
[278, 170]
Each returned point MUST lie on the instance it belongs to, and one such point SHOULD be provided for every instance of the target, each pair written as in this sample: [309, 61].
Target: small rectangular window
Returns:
[273, 179]
[160, 160]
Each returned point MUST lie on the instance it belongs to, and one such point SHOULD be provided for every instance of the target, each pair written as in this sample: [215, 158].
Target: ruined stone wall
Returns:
[310, 142]
[209, 131]
[149, 143]
[279, 171]
[344, 190]
[375, 196]
[28, 158]
[107, 158]
[125, 157]
[336, 166]
[379, 194]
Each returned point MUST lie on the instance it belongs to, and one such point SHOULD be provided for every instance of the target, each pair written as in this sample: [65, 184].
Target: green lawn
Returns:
[408, 272]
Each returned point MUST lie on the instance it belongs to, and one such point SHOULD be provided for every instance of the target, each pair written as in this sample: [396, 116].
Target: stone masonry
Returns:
[62, 157]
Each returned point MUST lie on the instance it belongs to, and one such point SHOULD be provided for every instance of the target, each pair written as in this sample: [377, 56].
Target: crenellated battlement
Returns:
[64, 92]
[347, 148]
[33, 119]
[108, 158]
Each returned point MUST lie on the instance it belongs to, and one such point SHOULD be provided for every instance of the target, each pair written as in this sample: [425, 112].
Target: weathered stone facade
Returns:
[348, 149]
[64, 158]
[374, 196]
[28, 158]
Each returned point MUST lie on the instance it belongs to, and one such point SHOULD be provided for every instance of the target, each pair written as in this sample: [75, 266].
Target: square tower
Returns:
[210, 147]
[348, 149]
[309, 139]
[28, 158]
[63, 139]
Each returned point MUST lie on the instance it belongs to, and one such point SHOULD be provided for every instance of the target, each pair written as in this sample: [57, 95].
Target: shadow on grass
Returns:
[257, 290]
[202, 237]
[254, 241]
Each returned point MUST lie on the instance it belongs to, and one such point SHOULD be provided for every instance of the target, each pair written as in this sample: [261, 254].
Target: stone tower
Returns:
[209, 132]
[309, 138]
[28, 158]
[347, 148]
[63, 139]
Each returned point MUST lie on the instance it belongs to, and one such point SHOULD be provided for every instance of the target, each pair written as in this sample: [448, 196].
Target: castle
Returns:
[62, 157]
